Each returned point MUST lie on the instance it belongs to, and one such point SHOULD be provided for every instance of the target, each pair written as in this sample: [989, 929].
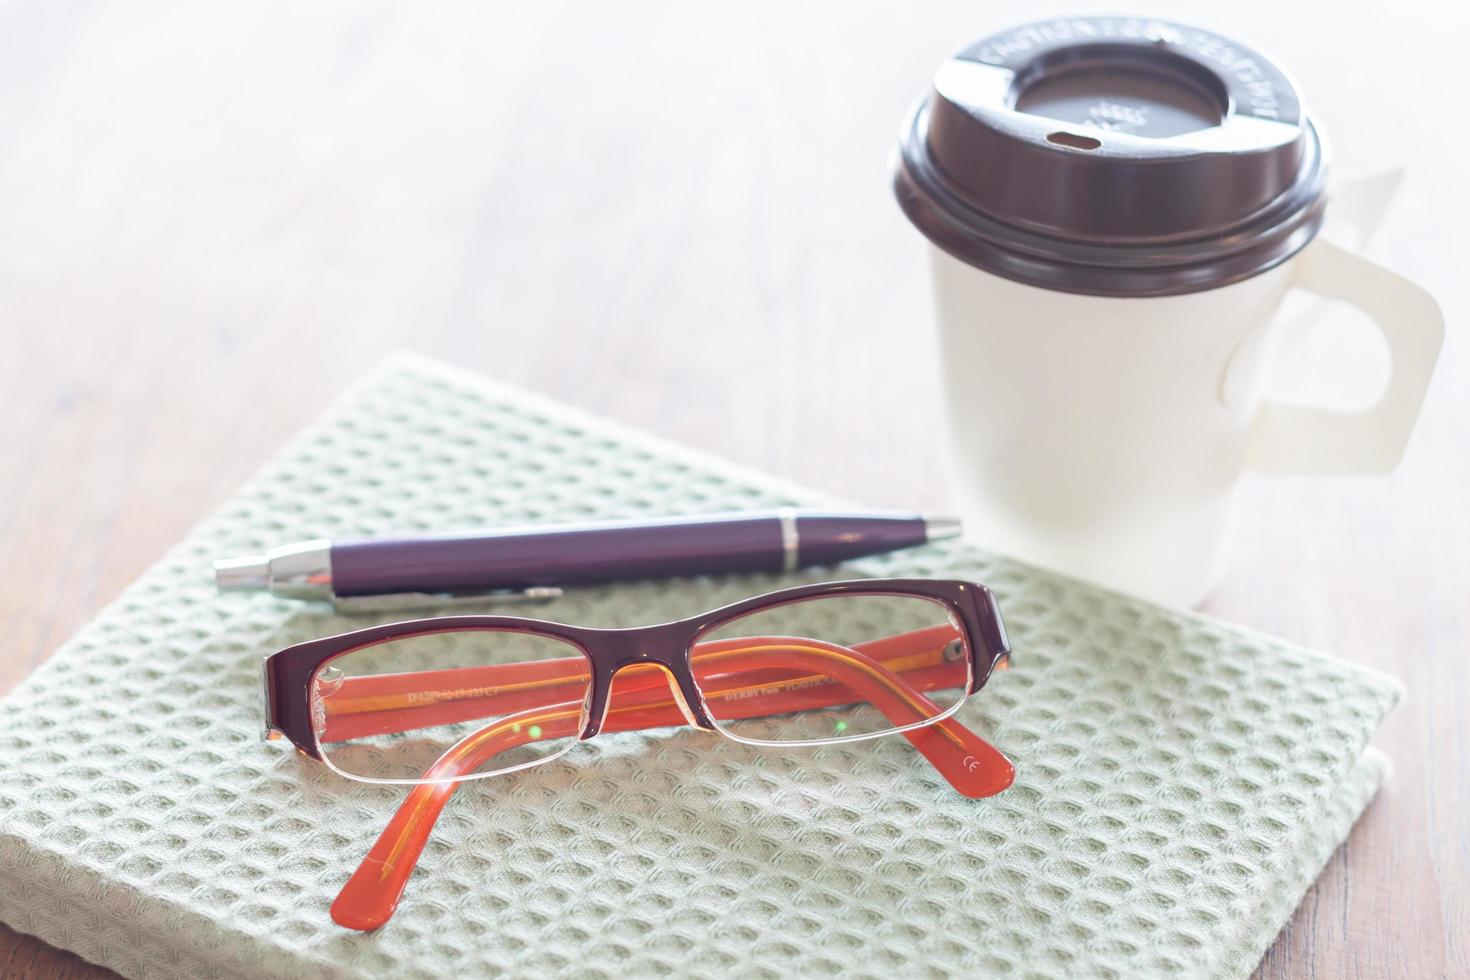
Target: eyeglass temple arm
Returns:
[370, 896]
[378, 704]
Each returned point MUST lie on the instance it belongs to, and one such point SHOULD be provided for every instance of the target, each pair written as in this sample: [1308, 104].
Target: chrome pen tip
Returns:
[939, 528]
[249, 574]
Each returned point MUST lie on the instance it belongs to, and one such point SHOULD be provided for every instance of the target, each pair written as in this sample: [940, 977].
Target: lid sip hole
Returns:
[1073, 140]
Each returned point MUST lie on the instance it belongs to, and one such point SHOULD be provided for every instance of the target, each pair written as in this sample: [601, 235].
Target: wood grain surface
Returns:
[213, 218]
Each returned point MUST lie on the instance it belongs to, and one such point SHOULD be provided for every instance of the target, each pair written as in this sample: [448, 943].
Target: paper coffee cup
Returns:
[1117, 208]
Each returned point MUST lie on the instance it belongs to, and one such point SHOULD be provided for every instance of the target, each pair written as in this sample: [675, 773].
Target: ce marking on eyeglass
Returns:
[433, 703]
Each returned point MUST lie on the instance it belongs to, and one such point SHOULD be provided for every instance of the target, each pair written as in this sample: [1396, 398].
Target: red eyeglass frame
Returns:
[659, 689]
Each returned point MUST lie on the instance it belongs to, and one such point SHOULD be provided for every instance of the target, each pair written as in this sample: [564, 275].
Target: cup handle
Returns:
[1301, 439]
[1358, 206]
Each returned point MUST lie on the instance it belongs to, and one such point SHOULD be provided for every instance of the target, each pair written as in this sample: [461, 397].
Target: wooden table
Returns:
[675, 215]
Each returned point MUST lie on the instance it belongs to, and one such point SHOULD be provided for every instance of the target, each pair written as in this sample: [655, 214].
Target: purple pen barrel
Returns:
[572, 555]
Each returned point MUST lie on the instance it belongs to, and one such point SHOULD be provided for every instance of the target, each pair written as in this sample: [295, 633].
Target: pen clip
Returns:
[396, 601]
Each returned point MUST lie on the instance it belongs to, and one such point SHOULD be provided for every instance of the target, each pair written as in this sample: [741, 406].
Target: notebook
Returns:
[1181, 781]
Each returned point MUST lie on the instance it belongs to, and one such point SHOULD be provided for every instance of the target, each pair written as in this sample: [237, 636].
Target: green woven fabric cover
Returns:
[1181, 781]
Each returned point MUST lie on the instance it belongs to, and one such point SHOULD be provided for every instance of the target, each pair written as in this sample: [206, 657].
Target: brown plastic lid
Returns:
[1114, 156]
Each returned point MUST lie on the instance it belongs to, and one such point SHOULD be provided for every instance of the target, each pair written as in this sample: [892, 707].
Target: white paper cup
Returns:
[1108, 314]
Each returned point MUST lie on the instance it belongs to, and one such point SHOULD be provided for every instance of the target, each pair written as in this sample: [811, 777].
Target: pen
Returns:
[536, 562]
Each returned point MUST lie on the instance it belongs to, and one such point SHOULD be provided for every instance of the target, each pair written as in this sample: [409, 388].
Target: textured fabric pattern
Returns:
[1180, 781]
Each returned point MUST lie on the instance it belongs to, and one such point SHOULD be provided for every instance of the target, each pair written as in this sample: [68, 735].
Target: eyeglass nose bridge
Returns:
[620, 650]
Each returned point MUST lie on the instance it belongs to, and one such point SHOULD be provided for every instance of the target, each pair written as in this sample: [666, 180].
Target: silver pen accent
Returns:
[941, 528]
[790, 539]
[293, 571]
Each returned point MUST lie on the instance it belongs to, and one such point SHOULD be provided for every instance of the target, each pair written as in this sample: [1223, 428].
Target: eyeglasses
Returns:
[437, 702]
